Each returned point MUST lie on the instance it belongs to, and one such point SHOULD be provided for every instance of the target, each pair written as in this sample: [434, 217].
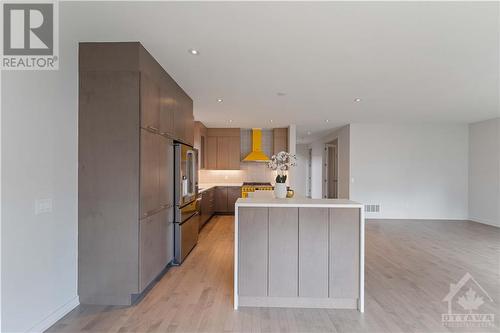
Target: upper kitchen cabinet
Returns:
[150, 104]
[223, 148]
[200, 143]
[168, 106]
[280, 140]
[184, 119]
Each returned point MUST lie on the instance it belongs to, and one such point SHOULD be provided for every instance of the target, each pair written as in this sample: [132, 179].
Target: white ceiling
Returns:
[408, 62]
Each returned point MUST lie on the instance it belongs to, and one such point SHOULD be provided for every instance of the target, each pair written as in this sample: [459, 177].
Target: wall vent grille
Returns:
[372, 208]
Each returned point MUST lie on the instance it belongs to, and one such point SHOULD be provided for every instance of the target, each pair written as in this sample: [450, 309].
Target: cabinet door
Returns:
[211, 153]
[221, 199]
[189, 119]
[149, 181]
[233, 193]
[166, 171]
[253, 251]
[204, 207]
[167, 110]
[313, 252]
[179, 122]
[153, 247]
[280, 140]
[283, 252]
[170, 235]
[234, 153]
[223, 152]
[211, 198]
[150, 103]
[344, 253]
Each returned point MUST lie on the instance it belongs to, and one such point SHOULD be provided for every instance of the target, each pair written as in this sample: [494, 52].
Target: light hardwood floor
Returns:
[409, 267]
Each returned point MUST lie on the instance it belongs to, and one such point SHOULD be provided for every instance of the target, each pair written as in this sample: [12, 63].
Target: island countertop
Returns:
[296, 202]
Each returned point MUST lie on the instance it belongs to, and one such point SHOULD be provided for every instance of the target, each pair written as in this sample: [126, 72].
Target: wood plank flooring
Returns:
[409, 268]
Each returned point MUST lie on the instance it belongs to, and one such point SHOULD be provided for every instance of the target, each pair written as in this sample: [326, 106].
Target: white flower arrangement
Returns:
[282, 162]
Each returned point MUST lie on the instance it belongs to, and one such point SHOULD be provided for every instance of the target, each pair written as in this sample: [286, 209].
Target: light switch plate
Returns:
[43, 206]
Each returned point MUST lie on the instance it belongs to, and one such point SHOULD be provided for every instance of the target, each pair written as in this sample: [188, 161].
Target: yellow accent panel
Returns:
[257, 154]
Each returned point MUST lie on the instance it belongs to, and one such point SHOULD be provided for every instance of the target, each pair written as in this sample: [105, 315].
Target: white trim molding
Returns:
[55, 316]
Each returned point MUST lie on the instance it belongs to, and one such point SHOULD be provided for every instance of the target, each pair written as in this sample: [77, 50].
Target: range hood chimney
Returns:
[257, 155]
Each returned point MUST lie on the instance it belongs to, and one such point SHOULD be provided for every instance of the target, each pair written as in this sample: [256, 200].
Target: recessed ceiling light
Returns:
[271, 121]
[220, 100]
[194, 51]
[327, 120]
[281, 94]
[357, 99]
[230, 120]
[308, 132]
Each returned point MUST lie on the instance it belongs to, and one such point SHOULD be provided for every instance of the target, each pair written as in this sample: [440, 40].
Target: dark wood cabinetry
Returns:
[225, 198]
[233, 193]
[150, 177]
[280, 140]
[200, 143]
[130, 111]
[207, 206]
[168, 106]
[223, 148]
[150, 103]
[152, 247]
[221, 199]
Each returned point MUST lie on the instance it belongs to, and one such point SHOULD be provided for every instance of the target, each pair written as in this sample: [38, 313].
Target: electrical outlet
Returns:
[43, 206]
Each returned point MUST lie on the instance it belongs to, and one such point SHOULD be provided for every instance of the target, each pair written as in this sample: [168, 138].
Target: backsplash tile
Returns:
[249, 172]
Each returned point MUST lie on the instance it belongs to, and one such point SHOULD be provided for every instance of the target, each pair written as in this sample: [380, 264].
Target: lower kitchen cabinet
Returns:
[221, 199]
[233, 193]
[152, 247]
[225, 198]
[207, 206]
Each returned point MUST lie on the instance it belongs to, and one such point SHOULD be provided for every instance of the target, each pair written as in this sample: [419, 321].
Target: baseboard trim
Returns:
[482, 221]
[55, 316]
[298, 302]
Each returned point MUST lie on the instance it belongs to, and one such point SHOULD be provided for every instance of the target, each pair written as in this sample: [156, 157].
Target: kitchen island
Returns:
[306, 253]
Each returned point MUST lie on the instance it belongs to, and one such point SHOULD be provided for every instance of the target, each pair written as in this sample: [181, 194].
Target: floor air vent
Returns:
[372, 208]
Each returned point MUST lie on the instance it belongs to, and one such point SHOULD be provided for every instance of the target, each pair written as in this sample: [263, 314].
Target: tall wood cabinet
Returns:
[280, 140]
[130, 111]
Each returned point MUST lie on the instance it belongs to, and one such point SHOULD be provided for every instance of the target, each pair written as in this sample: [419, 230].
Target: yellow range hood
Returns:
[257, 155]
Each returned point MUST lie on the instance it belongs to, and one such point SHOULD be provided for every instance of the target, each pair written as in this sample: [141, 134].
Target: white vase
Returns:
[280, 190]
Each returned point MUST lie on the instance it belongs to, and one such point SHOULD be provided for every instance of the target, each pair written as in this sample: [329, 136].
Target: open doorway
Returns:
[309, 173]
[330, 188]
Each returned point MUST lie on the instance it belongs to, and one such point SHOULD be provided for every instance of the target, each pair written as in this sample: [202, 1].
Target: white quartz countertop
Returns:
[206, 186]
[295, 202]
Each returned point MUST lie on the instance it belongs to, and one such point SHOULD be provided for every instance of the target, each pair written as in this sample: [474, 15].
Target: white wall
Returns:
[417, 171]
[318, 156]
[300, 172]
[484, 172]
[39, 161]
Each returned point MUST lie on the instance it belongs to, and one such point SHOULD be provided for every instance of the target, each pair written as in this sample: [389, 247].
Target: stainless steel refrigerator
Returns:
[187, 203]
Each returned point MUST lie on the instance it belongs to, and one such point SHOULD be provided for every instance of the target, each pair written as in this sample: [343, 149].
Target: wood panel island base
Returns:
[302, 253]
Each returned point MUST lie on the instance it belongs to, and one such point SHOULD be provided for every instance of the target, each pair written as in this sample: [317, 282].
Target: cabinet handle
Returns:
[153, 128]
